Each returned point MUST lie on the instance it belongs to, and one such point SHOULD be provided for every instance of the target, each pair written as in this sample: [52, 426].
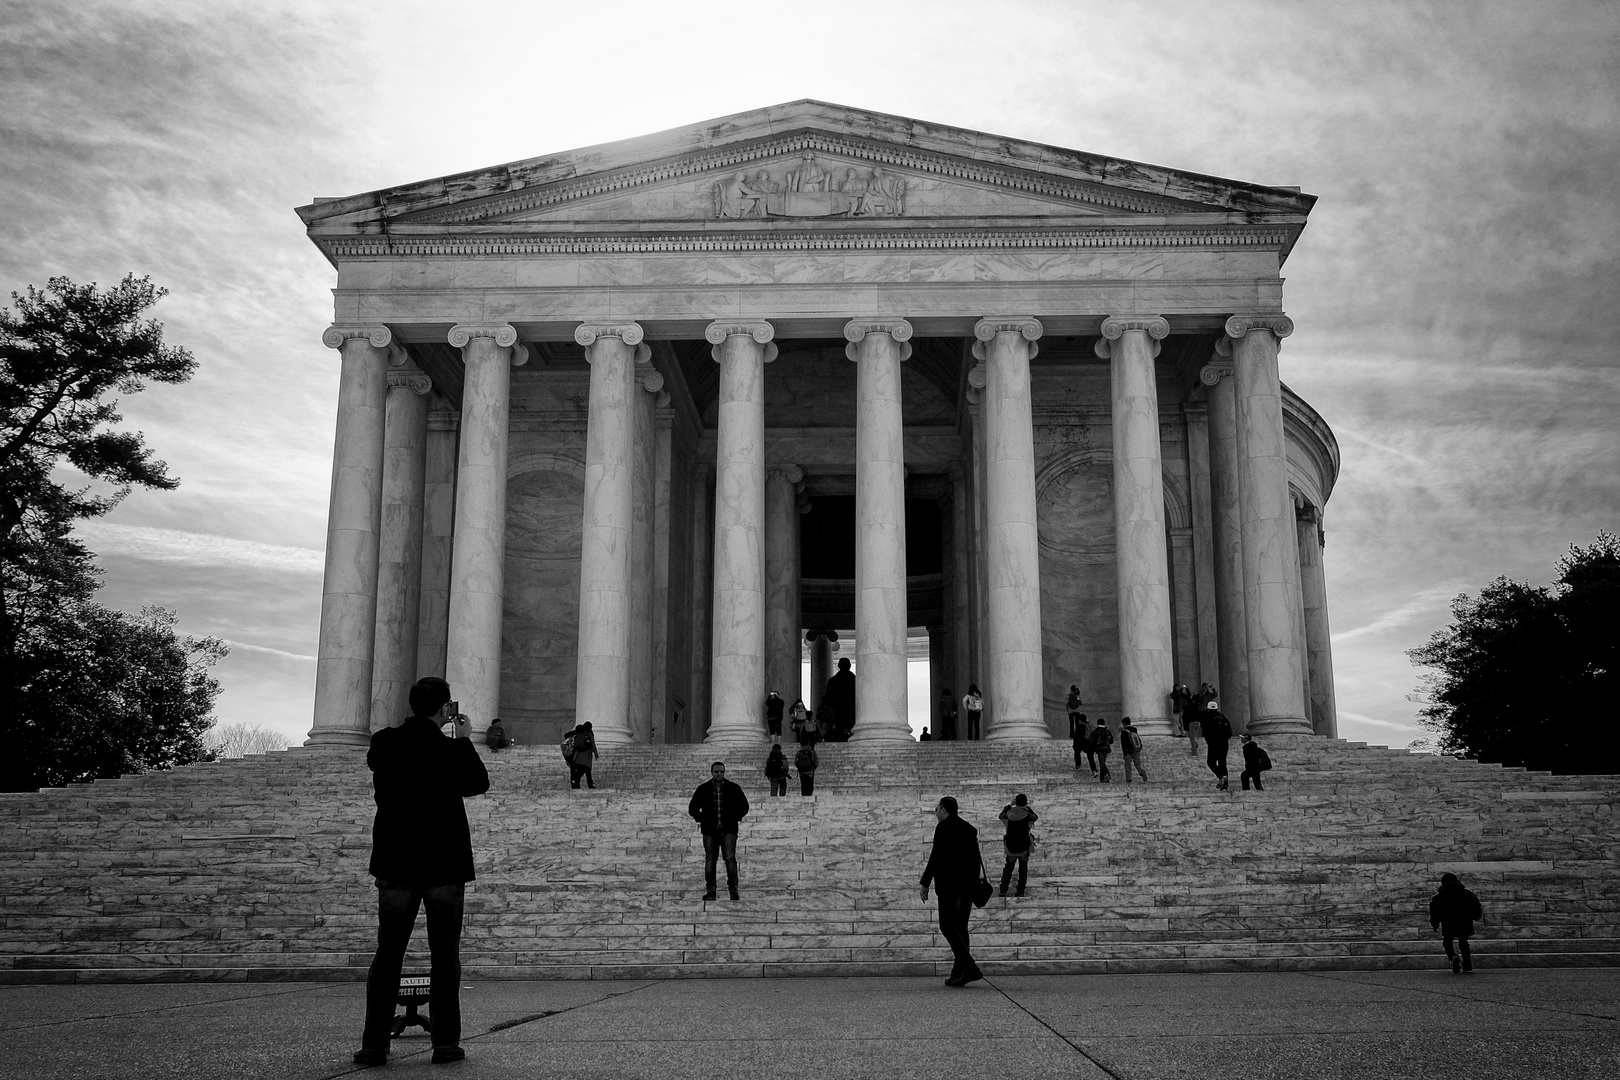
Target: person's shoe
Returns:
[1221, 786]
[1456, 965]
[953, 980]
[1468, 968]
[973, 976]
[734, 895]
[444, 1055]
[1004, 890]
[1020, 892]
[368, 1057]
[709, 895]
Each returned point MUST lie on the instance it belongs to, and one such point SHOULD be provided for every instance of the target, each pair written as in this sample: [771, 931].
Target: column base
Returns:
[1153, 725]
[1280, 725]
[1018, 731]
[882, 736]
[742, 740]
[338, 738]
[613, 738]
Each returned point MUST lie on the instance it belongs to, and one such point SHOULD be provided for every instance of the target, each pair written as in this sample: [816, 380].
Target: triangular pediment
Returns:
[800, 162]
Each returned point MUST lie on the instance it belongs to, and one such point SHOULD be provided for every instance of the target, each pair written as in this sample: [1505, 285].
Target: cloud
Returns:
[1424, 603]
[266, 650]
[1358, 718]
[199, 549]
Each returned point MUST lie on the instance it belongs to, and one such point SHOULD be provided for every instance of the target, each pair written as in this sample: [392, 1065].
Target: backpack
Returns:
[805, 760]
[1102, 739]
[568, 747]
[1262, 759]
[775, 766]
[1129, 741]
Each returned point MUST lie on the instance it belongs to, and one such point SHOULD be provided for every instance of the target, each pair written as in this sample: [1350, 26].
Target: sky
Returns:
[1456, 292]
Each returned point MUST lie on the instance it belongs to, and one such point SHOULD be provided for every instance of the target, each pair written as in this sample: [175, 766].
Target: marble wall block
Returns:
[1079, 590]
[399, 558]
[1183, 607]
[782, 667]
[349, 589]
[1207, 667]
[540, 617]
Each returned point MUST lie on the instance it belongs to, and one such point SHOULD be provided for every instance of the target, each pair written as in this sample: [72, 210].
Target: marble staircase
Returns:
[255, 868]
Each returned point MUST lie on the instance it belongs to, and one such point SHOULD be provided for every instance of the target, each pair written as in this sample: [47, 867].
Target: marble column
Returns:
[353, 521]
[1196, 415]
[1005, 346]
[1318, 645]
[1270, 547]
[1226, 527]
[1146, 636]
[643, 714]
[602, 682]
[961, 598]
[823, 643]
[782, 665]
[737, 702]
[399, 560]
[701, 608]
[878, 347]
[478, 559]
[438, 538]
[939, 643]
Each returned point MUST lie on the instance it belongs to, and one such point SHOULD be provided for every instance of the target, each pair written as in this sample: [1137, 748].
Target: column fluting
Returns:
[878, 347]
[602, 682]
[1015, 665]
[349, 591]
[1146, 638]
[1226, 525]
[399, 560]
[822, 643]
[478, 558]
[737, 700]
[1318, 641]
[1270, 547]
[782, 663]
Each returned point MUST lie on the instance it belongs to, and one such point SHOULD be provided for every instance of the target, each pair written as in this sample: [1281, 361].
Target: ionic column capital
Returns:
[1278, 323]
[720, 331]
[461, 334]
[988, 327]
[857, 329]
[1156, 327]
[1216, 370]
[648, 377]
[410, 379]
[791, 473]
[335, 335]
[586, 334]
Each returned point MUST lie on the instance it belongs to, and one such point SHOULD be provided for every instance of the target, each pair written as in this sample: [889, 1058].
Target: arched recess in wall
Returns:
[545, 493]
[1074, 499]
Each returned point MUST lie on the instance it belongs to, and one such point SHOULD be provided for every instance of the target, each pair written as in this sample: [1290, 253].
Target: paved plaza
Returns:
[1538, 1022]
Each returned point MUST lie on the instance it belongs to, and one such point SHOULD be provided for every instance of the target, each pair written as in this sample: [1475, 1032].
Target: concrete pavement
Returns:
[1412, 1025]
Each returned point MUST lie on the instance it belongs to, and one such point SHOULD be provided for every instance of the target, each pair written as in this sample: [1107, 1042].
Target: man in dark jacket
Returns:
[1255, 762]
[1452, 911]
[955, 869]
[840, 694]
[421, 855]
[718, 806]
[1217, 734]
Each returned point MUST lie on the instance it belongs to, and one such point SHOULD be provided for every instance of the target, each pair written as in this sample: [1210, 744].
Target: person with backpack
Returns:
[1452, 911]
[776, 770]
[973, 705]
[579, 750]
[1080, 735]
[1130, 747]
[798, 716]
[1072, 703]
[805, 762]
[1217, 733]
[1017, 844]
[774, 707]
[1102, 740]
[1255, 762]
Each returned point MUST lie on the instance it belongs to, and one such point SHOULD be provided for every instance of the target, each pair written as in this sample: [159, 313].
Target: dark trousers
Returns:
[1082, 750]
[947, 728]
[717, 847]
[1246, 775]
[954, 909]
[774, 726]
[396, 917]
[1023, 872]
[807, 783]
[1102, 765]
[577, 769]
[973, 724]
[778, 785]
[1462, 947]
[1217, 757]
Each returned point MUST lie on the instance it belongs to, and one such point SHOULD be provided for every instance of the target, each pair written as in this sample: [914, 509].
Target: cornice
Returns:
[926, 162]
[375, 246]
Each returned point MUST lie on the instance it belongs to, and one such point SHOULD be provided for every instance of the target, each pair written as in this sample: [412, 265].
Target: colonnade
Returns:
[1265, 622]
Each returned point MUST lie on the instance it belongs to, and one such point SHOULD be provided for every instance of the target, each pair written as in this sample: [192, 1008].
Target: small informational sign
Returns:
[413, 988]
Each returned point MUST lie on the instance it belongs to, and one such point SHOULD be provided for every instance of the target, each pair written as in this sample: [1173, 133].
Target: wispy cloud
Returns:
[1343, 432]
[1358, 718]
[1422, 603]
[266, 650]
[198, 549]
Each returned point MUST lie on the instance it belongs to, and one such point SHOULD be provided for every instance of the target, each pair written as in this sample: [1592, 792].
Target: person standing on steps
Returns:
[579, 749]
[1072, 703]
[925, 737]
[776, 770]
[1452, 911]
[798, 717]
[774, 707]
[1255, 762]
[805, 761]
[840, 694]
[1180, 698]
[947, 715]
[1017, 844]
[1080, 735]
[421, 856]
[973, 705]
[955, 868]
[1102, 740]
[1130, 748]
[718, 806]
[1217, 734]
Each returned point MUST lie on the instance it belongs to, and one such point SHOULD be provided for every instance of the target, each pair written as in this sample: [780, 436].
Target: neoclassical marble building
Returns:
[620, 429]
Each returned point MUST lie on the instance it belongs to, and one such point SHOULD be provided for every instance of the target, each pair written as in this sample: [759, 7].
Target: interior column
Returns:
[353, 521]
[782, 664]
[1226, 525]
[1318, 643]
[737, 702]
[1014, 664]
[878, 347]
[1270, 548]
[478, 559]
[1146, 638]
[822, 645]
[399, 560]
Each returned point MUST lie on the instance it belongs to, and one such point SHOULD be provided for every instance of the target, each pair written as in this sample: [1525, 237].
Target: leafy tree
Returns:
[89, 692]
[1530, 675]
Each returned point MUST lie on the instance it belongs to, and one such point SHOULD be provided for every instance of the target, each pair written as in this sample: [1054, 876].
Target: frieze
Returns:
[806, 189]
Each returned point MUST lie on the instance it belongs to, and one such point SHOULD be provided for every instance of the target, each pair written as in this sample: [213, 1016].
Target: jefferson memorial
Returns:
[622, 432]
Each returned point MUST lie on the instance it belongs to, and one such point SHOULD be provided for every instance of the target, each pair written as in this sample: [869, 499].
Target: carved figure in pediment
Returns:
[735, 197]
[852, 183]
[808, 176]
[763, 184]
[885, 195]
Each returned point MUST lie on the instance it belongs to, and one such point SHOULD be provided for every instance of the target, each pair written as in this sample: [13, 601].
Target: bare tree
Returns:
[235, 740]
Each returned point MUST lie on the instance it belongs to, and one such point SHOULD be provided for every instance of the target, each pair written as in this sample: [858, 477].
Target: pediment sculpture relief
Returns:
[807, 189]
